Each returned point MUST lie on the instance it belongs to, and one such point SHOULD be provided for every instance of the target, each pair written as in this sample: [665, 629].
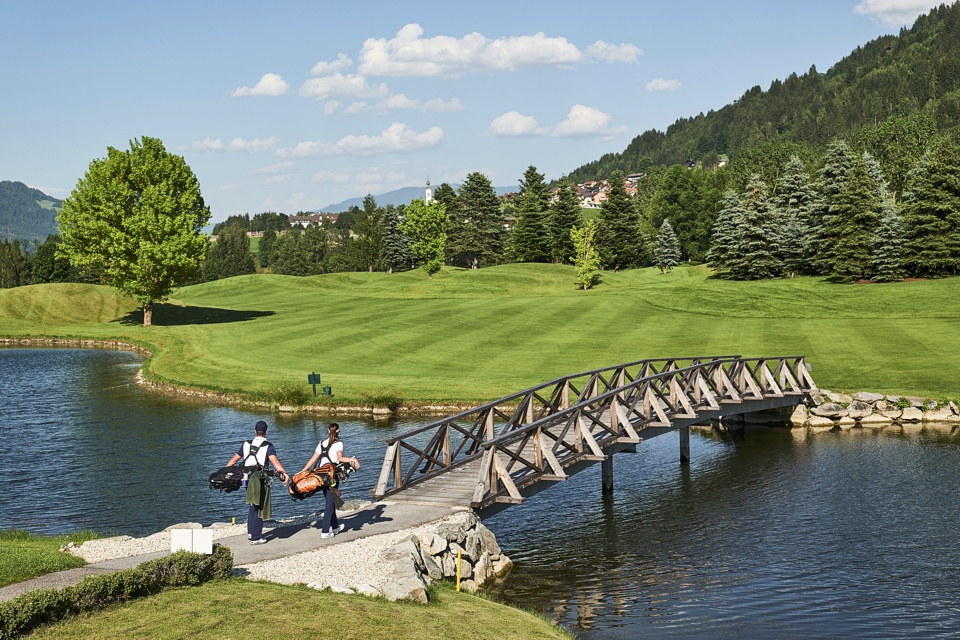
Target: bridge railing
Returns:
[443, 445]
[542, 449]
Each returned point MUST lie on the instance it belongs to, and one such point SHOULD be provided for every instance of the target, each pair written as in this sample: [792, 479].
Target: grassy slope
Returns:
[240, 609]
[476, 335]
[26, 555]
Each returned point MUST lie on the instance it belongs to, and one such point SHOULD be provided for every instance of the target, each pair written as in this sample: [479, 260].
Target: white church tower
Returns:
[428, 195]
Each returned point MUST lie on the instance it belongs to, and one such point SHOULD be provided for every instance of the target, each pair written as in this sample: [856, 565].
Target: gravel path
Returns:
[295, 552]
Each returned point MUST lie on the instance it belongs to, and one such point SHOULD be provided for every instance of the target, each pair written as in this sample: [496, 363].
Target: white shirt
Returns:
[331, 456]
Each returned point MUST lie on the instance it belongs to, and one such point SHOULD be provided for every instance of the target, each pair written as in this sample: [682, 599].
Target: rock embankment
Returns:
[396, 566]
[826, 410]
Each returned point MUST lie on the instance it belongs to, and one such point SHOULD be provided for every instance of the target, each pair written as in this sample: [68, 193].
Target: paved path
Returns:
[375, 519]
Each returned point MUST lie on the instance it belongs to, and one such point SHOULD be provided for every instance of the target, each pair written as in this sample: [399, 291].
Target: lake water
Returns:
[772, 534]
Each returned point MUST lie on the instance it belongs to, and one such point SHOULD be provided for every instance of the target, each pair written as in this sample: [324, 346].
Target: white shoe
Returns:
[340, 528]
[259, 541]
[328, 534]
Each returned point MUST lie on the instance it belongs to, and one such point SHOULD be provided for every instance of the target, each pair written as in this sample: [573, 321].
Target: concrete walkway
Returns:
[375, 519]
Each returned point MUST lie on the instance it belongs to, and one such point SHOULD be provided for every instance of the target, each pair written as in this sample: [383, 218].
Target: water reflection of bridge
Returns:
[500, 453]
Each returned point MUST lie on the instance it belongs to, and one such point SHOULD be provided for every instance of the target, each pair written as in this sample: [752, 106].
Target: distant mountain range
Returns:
[26, 213]
[395, 197]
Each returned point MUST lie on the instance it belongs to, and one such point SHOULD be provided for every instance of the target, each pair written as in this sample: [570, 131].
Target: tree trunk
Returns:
[147, 314]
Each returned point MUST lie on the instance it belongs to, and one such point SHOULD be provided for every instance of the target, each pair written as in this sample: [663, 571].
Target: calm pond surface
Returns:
[773, 534]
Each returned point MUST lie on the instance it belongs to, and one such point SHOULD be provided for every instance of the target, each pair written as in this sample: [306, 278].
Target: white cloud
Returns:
[514, 124]
[398, 101]
[586, 121]
[329, 68]
[237, 144]
[397, 138]
[408, 54]
[331, 108]
[894, 13]
[661, 84]
[270, 85]
[606, 52]
[443, 105]
[278, 179]
[356, 107]
[339, 85]
[277, 167]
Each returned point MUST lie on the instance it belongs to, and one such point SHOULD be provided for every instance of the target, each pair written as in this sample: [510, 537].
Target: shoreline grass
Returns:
[232, 608]
[25, 555]
[471, 336]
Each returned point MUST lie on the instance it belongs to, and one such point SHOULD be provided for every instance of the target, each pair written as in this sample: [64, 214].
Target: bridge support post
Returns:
[684, 445]
[606, 470]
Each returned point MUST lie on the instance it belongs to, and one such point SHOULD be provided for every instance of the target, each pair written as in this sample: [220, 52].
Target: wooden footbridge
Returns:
[500, 453]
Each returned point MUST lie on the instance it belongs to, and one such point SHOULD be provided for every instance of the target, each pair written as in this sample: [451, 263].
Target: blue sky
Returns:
[289, 106]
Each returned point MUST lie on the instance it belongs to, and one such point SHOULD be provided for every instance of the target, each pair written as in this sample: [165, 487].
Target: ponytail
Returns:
[334, 433]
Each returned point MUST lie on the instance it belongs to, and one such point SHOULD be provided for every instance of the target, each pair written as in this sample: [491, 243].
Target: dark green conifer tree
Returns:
[833, 175]
[481, 238]
[563, 215]
[529, 240]
[931, 213]
[368, 243]
[621, 244]
[396, 246]
[267, 243]
[48, 267]
[229, 256]
[853, 225]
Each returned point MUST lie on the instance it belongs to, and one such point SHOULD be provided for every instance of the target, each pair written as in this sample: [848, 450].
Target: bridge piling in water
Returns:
[606, 471]
[684, 445]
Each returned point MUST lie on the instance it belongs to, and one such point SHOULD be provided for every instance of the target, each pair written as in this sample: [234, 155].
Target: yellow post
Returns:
[233, 520]
[458, 569]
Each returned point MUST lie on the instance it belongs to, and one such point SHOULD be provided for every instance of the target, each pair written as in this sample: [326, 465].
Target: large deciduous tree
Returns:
[424, 226]
[135, 219]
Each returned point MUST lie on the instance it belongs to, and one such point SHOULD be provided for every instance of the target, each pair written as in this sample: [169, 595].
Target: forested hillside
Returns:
[25, 213]
[913, 75]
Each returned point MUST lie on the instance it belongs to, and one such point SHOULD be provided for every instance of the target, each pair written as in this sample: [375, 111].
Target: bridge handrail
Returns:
[497, 482]
[544, 385]
[477, 434]
[556, 417]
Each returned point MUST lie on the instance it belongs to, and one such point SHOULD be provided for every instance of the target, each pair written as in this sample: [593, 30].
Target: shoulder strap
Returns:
[253, 450]
[325, 453]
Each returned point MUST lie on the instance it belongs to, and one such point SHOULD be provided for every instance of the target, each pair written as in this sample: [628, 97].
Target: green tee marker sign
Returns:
[314, 379]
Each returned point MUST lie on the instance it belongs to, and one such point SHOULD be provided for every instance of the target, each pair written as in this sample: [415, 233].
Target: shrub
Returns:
[290, 393]
[27, 612]
[389, 398]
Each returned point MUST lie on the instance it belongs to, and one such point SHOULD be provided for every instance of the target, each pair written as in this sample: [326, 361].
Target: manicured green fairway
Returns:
[25, 555]
[477, 335]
